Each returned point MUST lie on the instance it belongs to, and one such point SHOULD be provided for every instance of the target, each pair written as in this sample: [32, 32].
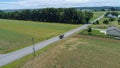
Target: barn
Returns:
[113, 31]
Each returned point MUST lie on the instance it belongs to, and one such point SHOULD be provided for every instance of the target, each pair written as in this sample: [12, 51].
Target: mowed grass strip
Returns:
[79, 52]
[95, 33]
[15, 34]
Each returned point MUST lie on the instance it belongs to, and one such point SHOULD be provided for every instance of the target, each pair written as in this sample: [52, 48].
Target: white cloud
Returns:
[56, 3]
[41, 3]
[44, 2]
[77, 1]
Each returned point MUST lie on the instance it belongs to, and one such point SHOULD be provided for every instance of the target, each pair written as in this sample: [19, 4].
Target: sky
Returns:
[28, 4]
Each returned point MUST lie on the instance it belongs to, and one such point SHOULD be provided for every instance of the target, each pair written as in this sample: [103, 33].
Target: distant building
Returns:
[106, 9]
[114, 17]
[119, 16]
[111, 16]
[113, 31]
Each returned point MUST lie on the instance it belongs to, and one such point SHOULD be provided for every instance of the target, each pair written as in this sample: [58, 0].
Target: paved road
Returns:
[10, 57]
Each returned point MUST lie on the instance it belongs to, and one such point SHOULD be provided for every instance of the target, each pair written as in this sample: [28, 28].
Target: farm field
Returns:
[79, 51]
[105, 26]
[96, 15]
[15, 34]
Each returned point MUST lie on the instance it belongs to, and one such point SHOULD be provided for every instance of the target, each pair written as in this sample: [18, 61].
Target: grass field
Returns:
[16, 34]
[95, 33]
[79, 51]
[111, 23]
[96, 15]
[105, 26]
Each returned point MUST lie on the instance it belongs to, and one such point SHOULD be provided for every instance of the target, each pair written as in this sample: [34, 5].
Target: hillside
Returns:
[79, 51]
[15, 34]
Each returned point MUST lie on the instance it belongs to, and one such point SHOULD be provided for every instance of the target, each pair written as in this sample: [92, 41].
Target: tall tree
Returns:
[61, 15]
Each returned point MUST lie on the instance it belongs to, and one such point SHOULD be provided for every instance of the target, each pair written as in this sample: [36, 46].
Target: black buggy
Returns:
[61, 36]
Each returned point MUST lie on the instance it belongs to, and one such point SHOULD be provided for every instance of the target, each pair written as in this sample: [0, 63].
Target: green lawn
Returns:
[15, 34]
[96, 33]
[115, 23]
[93, 33]
[112, 23]
[78, 51]
[96, 15]
[105, 26]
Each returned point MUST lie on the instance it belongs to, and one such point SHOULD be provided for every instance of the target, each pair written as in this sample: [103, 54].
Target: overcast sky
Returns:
[20, 4]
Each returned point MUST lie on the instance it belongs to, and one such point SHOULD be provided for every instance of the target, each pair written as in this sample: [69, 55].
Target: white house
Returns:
[113, 31]
[119, 16]
[111, 16]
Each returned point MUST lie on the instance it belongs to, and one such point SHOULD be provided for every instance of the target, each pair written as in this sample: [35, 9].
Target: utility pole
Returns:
[33, 47]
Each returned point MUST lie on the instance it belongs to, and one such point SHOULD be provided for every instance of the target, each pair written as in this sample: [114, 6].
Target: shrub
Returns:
[106, 22]
[97, 22]
[89, 30]
[118, 21]
[111, 19]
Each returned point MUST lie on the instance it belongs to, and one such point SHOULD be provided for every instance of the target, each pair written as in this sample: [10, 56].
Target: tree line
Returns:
[113, 13]
[58, 15]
